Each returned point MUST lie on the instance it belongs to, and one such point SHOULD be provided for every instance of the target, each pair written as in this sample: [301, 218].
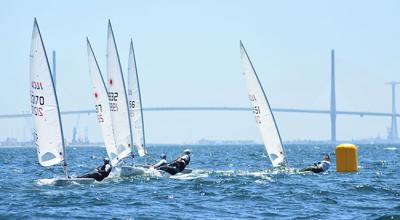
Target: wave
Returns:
[388, 217]
[195, 174]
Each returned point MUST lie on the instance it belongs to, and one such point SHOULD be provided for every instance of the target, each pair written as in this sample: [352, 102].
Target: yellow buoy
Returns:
[346, 158]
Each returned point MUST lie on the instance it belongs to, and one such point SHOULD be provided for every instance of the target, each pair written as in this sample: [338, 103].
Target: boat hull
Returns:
[68, 181]
[65, 181]
[185, 171]
[127, 171]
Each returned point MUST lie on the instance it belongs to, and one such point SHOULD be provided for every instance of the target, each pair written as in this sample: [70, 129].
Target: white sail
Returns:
[47, 128]
[102, 105]
[118, 99]
[135, 104]
[262, 111]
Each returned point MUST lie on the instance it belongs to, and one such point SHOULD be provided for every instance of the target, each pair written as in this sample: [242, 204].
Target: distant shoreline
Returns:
[100, 145]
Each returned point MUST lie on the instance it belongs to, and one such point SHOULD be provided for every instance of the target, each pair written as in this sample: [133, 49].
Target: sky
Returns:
[188, 55]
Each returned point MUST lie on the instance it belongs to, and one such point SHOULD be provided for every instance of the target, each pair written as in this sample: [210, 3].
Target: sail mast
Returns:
[118, 98]
[102, 105]
[262, 110]
[134, 95]
[45, 113]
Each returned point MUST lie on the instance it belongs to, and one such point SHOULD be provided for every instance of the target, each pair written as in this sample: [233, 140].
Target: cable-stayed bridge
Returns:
[166, 109]
[332, 112]
[243, 109]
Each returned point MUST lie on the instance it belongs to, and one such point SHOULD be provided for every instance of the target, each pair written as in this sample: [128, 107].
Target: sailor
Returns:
[319, 167]
[179, 164]
[162, 162]
[101, 171]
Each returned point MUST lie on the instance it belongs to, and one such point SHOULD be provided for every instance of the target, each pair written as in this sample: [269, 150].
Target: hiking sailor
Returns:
[162, 162]
[179, 164]
[319, 167]
[101, 171]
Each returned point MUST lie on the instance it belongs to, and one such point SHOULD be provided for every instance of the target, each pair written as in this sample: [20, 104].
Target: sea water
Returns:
[227, 182]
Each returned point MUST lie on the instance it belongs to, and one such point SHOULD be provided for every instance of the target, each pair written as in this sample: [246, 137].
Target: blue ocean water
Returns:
[228, 182]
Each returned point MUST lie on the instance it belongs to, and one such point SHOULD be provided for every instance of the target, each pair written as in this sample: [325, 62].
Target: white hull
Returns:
[127, 171]
[185, 171]
[130, 171]
[66, 181]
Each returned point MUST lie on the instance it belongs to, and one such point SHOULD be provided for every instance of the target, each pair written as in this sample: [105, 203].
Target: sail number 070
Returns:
[35, 101]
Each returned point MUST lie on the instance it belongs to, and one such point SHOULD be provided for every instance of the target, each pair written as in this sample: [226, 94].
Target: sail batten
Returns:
[118, 99]
[102, 106]
[47, 127]
[135, 104]
[262, 111]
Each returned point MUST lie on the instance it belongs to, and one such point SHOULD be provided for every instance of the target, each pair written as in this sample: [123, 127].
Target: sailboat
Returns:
[120, 114]
[102, 106]
[47, 126]
[117, 98]
[135, 104]
[262, 112]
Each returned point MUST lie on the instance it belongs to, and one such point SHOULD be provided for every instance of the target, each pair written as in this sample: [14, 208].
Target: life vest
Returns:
[103, 170]
[186, 159]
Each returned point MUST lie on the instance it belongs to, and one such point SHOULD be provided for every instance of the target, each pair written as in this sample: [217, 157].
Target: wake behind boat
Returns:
[47, 127]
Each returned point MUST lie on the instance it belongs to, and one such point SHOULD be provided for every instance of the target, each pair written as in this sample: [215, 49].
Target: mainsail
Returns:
[102, 106]
[118, 99]
[262, 111]
[135, 104]
[47, 128]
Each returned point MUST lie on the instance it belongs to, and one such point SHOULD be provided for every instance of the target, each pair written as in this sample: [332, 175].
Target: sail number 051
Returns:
[256, 111]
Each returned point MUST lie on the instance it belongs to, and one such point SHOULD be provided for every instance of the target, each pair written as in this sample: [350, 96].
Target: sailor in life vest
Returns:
[179, 164]
[319, 167]
[101, 171]
[162, 162]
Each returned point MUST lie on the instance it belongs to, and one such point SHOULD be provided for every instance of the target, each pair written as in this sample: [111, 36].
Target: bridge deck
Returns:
[309, 111]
